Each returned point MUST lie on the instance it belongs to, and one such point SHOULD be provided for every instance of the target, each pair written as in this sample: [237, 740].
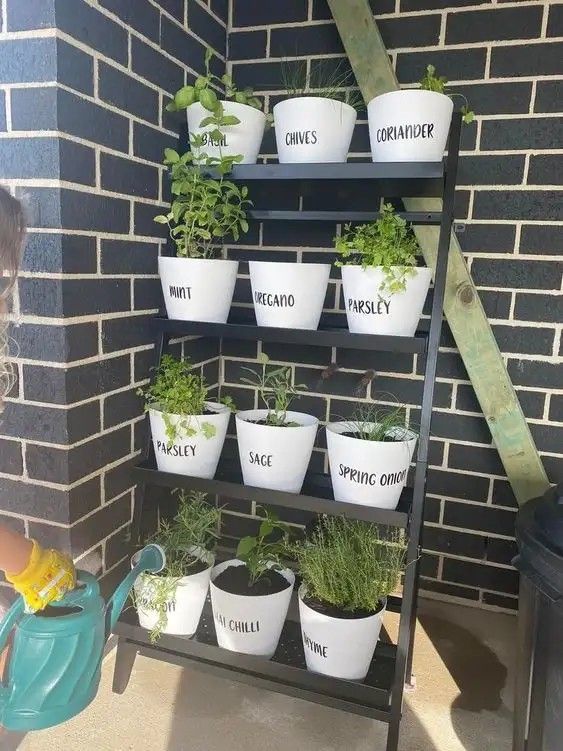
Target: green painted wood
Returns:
[462, 306]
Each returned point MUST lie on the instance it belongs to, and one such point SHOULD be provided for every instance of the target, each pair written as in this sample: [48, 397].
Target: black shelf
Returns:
[324, 337]
[415, 217]
[316, 495]
[285, 673]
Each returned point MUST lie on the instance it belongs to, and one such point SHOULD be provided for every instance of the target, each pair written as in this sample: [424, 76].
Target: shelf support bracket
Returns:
[463, 309]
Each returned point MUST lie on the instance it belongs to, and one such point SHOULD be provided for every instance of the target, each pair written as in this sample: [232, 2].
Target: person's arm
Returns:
[15, 551]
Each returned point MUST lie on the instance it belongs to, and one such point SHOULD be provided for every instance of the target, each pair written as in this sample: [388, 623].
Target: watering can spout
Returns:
[150, 559]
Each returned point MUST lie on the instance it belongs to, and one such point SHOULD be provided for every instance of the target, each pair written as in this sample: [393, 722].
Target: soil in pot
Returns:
[193, 566]
[236, 581]
[332, 611]
[360, 437]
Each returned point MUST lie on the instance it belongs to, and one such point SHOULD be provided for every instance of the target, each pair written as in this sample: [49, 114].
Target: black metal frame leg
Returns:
[126, 653]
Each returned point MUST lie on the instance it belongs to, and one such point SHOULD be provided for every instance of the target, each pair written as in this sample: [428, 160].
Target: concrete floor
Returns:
[461, 703]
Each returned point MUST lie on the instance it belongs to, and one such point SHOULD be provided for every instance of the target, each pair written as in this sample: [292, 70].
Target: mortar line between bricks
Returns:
[210, 12]
[469, 603]
[470, 559]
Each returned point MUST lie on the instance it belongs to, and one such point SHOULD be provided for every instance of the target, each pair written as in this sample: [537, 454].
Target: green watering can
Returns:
[56, 655]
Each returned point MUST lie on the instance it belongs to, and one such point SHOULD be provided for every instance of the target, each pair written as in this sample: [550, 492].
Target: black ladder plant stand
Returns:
[380, 696]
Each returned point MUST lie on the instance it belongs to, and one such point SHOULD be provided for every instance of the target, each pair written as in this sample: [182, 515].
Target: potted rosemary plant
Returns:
[348, 568]
[250, 594]
[188, 430]
[411, 125]
[225, 127]
[274, 444]
[315, 123]
[206, 209]
[370, 455]
[171, 602]
[384, 289]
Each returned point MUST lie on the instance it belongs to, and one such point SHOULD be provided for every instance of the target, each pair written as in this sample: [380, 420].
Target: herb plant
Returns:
[196, 525]
[276, 390]
[321, 79]
[431, 82]
[350, 564]
[206, 206]
[264, 552]
[371, 422]
[387, 242]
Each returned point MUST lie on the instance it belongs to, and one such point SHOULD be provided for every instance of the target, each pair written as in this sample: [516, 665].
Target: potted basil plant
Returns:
[384, 289]
[348, 568]
[172, 601]
[412, 125]
[188, 430]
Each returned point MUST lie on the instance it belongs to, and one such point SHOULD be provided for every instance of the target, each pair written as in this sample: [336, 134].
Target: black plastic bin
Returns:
[538, 705]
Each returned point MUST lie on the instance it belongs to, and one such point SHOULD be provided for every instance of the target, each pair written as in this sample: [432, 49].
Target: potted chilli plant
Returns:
[171, 602]
[206, 209]
[274, 444]
[370, 455]
[315, 123]
[225, 127]
[384, 290]
[348, 568]
[188, 430]
[250, 594]
[412, 125]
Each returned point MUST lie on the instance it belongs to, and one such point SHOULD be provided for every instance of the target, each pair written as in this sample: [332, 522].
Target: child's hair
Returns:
[12, 234]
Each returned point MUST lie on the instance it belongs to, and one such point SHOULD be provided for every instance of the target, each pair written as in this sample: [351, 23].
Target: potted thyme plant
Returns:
[188, 430]
[225, 127]
[171, 602]
[384, 289]
[206, 209]
[275, 444]
[370, 454]
[348, 568]
[412, 125]
[250, 594]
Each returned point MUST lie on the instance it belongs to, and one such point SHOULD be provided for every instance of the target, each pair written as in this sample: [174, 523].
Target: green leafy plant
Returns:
[321, 79]
[177, 391]
[206, 206]
[276, 390]
[350, 564]
[431, 82]
[195, 526]
[265, 551]
[387, 242]
[372, 422]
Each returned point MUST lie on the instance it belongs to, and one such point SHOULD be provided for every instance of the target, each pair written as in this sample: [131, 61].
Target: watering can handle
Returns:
[10, 619]
[86, 588]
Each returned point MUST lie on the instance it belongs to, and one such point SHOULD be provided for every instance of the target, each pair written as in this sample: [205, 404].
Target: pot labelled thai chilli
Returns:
[171, 602]
[370, 456]
[412, 125]
[348, 568]
[226, 127]
[275, 444]
[188, 430]
[384, 289]
[250, 594]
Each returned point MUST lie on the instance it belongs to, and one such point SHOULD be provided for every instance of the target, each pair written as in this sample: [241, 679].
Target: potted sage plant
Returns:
[348, 568]
[188, 430]
[250, 594]
[412, 125]
[172, 601]
[275, 444]
[384, 289]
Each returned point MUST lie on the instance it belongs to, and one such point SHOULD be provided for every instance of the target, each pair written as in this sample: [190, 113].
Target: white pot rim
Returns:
[370, 269]
[382, 605]
[215, 407]
[290, 264]
[417, 92]
[308, 98]
[287, 574]
[231, 103]
[200, 261]
[260, 414]
[342, 426]
[205, 556]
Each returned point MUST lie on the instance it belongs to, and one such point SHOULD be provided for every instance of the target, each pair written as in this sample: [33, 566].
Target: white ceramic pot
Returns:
[195, 455]
[288, 295]
[247, 624]
[197, 289]
[339, 647]
[184, 606]
[273, 457]
[313, 129]
[409, 126]
[245, 138]
[370, 311]
[371, 473]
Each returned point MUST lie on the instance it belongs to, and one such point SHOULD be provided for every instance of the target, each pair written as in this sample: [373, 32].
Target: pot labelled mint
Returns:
[275, 443]
[250, 594]
[171, 602]
[348, 568]
[188, 430]
[384, 289]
